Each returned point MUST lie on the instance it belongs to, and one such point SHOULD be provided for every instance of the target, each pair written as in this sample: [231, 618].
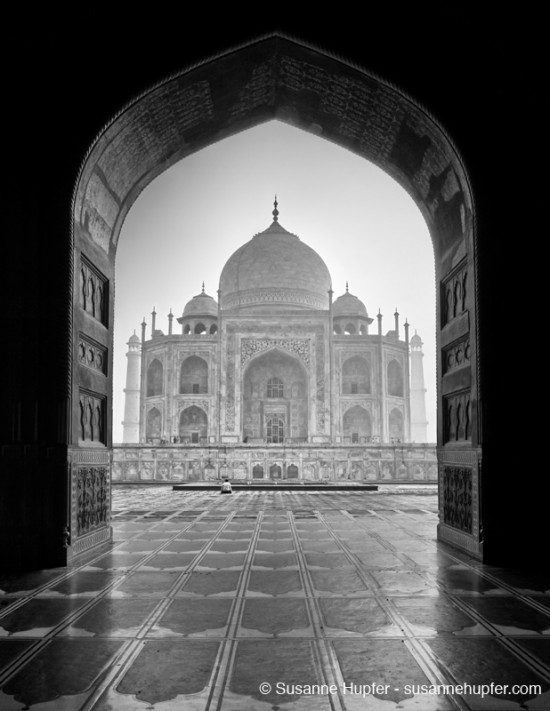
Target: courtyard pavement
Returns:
[275, 600]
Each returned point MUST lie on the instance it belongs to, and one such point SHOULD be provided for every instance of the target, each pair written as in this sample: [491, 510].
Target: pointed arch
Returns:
[153, 428]
[395, 378]
[302, 85]
[357, 425]
[155, 375]
[194, 375]
[356, 376]
[275, 397]
[193, 425]
[396, 426]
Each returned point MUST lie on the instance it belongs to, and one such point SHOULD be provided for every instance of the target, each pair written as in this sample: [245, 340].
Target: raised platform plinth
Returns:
[367, 464]
[284, 485]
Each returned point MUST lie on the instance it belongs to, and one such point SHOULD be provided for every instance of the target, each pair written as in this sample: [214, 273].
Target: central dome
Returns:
[275, 270]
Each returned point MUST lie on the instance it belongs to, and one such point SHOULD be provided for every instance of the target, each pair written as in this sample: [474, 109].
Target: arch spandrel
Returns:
[278, 78]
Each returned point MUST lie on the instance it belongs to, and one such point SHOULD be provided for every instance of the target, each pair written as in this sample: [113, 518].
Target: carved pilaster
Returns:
[454, 295]
[457, 417]
[92, 417]
[93, 292]
[320, 384]
[230, 385]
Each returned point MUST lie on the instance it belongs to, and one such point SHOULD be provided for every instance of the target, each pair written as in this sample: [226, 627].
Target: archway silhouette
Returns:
[279, 78]
[283, 79]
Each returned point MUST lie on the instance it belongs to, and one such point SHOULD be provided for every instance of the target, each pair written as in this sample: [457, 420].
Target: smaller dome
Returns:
[134, 339]
[201, 305]
[416, 340]
[349, 305]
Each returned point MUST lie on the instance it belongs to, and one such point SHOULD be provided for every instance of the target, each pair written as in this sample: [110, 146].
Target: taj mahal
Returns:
[276, 374]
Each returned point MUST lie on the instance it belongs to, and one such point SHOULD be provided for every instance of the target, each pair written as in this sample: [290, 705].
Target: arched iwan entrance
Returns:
[276, 78]
[275, 399]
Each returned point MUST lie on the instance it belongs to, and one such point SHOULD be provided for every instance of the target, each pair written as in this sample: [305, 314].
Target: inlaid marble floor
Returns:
[275, 600]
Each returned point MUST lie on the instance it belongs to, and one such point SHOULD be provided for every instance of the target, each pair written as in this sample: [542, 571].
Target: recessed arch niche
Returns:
[283, 79]
[275, 398]
[193, 424]
[357, 425]
[193, 375]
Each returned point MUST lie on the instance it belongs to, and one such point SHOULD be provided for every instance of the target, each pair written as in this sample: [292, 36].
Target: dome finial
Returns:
[275, 211]
[347, 289]
[202, 287]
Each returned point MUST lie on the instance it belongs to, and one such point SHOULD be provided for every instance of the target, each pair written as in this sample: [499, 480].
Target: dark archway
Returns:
[395, 378]
[154, 378]
[377, 122]
[193, 425]
[194, 375]
[414, 149]
[153, 426]
[396, 427]
[356, 376]
[357, 425]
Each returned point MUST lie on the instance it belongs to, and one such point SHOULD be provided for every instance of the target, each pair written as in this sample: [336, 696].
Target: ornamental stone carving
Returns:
[262, 296]
[320, 358]
[346, 404]
[92, 498]
[93, 291]
[456, 356]
[297, 346]
[457, 498]
[457, 418]
[190, 402]
[92, 355]
[369, 115]
[454, 296]
[91, 417]
[230, 385]
[257, 91]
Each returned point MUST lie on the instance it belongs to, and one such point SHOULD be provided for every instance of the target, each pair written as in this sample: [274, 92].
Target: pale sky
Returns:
[188, 222]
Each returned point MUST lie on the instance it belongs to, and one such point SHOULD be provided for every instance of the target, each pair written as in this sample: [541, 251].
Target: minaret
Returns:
[153, 322]
[130, 424]
[419, 423]
[170, 319]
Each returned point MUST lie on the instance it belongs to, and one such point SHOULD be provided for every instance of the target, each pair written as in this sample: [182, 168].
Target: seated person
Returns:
[226, 487]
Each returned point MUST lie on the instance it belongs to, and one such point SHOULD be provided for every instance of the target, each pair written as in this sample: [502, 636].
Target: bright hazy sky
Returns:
[187, 223]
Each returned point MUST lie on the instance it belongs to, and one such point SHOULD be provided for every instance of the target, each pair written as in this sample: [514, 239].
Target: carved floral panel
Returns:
[92, 498]
[457, 497]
